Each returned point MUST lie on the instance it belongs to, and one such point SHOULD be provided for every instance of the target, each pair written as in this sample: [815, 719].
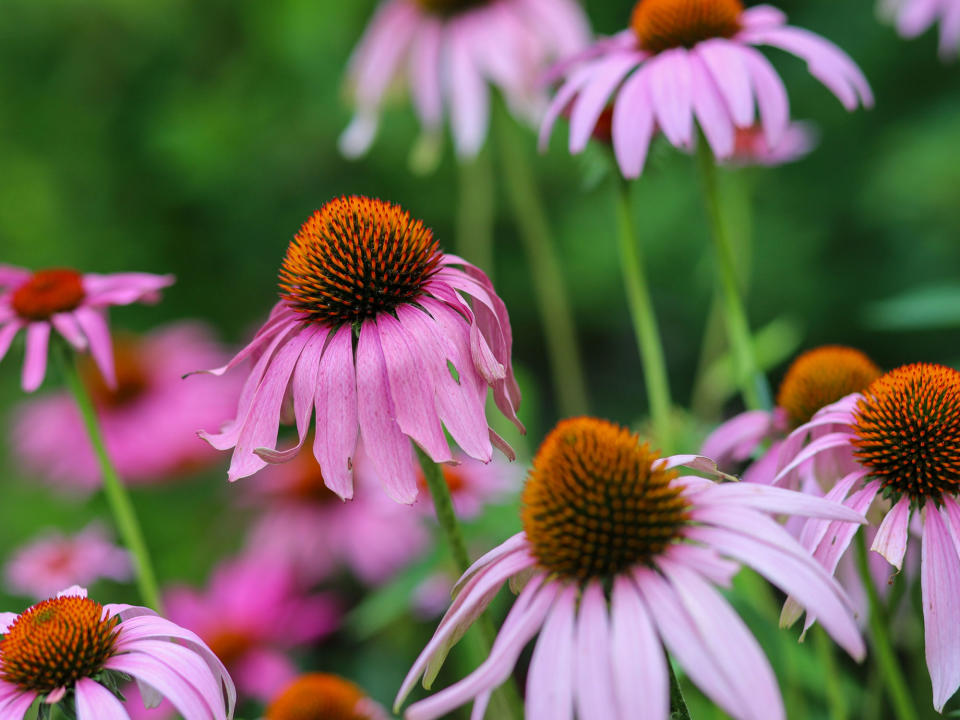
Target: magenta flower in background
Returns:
[815, 379]
[682, 60]
[69, 645]
[387, 339]
[72, 304]
[307, 526]
[251, 615]
[915, 17]
[660, 543]
[449, 53]
[902, 438]
[149, 417]
[55, 560]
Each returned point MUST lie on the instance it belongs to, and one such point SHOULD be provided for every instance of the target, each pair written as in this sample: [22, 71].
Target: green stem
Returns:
[120, 505]
[678, 706]
[644, 322]
[475, 211]
[836, 701]
[506, 702]
[880, 640]
[545, 270]
[753, 384]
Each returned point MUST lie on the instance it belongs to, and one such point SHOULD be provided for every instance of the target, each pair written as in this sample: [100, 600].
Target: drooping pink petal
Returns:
[425, 71]
[66, 324]
[821, 444]
[164, 680]
[712, 115]
[950, 32]
[738, 437]
[12, 276]
[16, 706]
[762, 16]
[639, 669]
[7, 333]
[633, 124]
[124, 288]
[507, 547]
[95, 702]
[891, 538]
[940, 587]
[778, 500]
[671, 93]
[94, 325]
[567, 92]
[550, 680]
[726, 66]
[705, 561]
[916, 16]
[592, 99]
[336, 407]
[35, 358]
[469, 96]
[772, 100]
[593, 676]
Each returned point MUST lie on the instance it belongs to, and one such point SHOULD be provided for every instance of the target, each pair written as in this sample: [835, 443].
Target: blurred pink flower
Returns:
[750, 146]
[915, 17]
[901, 435]
[80, 640]
[432, 596]
[682, 60]
[55, 561]
[388, 338]
[306, 525]
[449, 52]
[472, 485]
[72, 304]
[659, 543]
[251, 614]
[149, 418]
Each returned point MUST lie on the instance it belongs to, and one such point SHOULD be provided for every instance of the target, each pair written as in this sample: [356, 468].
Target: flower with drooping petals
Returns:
[386, 339]
[815, 379]
[450, 52]
[55, 561]
[72, 647]
[618, 555]
[252, 613]
[901, 435]
[148, 417]
[72, 304]
[915, 17]
[307, 526]
[320, 696]
[682, 60]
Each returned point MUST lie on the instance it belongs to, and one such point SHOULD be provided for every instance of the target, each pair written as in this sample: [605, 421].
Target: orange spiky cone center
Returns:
[663, 24]
[47, 293]
[319, 696]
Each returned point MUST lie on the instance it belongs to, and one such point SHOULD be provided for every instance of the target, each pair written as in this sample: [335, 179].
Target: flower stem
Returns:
[546, 273]
[506, 702]
[644, 322]
[475, 211]
[836, 701]
[883, 650]
[753, 384]
[120, 505]
[678, 706]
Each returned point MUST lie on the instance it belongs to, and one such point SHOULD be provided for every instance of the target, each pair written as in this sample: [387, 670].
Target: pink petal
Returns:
[728, 70]
[12, 276]
[671, 93]
[469, 96]
[124, 288]
[263, 673]
[550, 679]
[593, 674]
[16, 706]
[425, 70]
[169, 683]
[940, 586]
[94, 326]
[593, 98]
[762, 16]
[8, 332]
[891, 538]
[66, 324]
[771, 96]
[778, 500]
[567, 92]
[737, 438]
[336, 406]
[821, 444]
[35, 359]
[705, 561]
[95, 702]
[633, 124]
[712, 115]
[639, 668]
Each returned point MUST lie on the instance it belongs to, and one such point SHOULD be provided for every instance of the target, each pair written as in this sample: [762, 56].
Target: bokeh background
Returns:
[193, 138]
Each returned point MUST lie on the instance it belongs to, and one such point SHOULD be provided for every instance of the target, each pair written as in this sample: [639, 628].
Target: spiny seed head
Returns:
[47, 293]
[55, 643]
[319, 696]
[448, 7]
[820, 377]
[596, 502]
[356, 258]
[663, 24]
[908, 431]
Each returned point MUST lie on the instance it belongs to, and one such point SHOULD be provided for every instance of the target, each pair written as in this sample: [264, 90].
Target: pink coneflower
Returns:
[915, 17]
[251, 615]
[682, 60]
[619, 555]
[307, 526]
[815, 379]
[72, 304]
[320, 696]
[902, 437]
[55, 560]
[388, 338]
[70, 648]
[449, 52]
[148, 417]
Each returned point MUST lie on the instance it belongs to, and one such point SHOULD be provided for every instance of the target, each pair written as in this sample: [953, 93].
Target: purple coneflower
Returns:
[320, 696]
[387, 338]
[618, 557]
[72, 304]
[915, 17]
[682, 60]
[901, 435]
[70, 649]
[449, 52]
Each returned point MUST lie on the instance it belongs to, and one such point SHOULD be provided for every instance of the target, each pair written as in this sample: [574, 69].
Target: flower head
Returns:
[71, 646]
[915, 17]
[620, 553]
[896, 440]
[55, 560]
[682, 60]
[385, 338]
[450, 52]
[72, 304]
[252, 613]
[319, 695]
[148, 416]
